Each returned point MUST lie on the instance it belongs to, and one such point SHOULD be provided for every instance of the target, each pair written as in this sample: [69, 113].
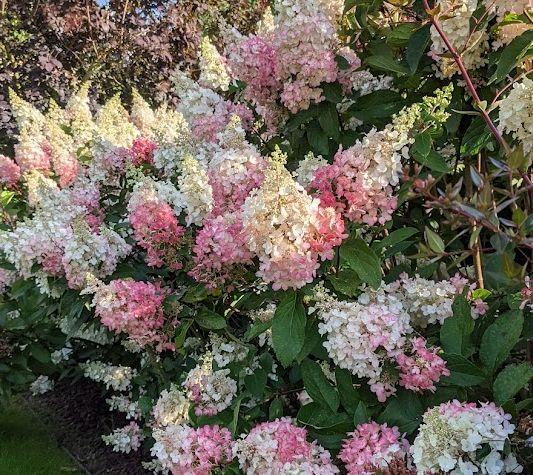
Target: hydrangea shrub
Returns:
[315, 263]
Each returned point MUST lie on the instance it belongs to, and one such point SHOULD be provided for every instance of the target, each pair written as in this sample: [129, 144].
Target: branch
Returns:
[469, 84]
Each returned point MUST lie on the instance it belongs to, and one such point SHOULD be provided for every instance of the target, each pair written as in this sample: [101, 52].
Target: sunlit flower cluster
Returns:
[182, 449]
[364, 336]
[210, 390]
[287, 229]
[125, 439]
[113, 377]
[281, 447]
[134, 308]
[172, 407]
[452, 434]
[516, 113]
[374, 448]
[455, 22]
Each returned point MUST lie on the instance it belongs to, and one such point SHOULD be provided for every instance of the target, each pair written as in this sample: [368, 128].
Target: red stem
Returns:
[470, 86]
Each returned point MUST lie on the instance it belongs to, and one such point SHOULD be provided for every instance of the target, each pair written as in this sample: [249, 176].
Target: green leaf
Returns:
[236, 410]
[513, 53]
[182, 333]
[318, 387]
[311, 341]
[400, 35]
[511, 380]
[463, 372]
[456, 330]
[317, 138]
[377, 105]
[422, 153]
[40, 353]
[435, 161]
[422, 145]
[396, 236]
[329, 120]
[360, 415]
[256, 329]
[404, 411]
[288, 328]
[476, 137]
[195, 294]
[416, 47]
[347, 393]
[256, 382]
[276, 409]
[500, 338]
[434, 241]
[356, 253]
[346, 281]
[320, 417]
[210, 320]
[387, 63]
[332, 92]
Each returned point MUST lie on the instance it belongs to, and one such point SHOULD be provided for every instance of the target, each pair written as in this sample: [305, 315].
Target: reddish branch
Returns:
[469, 84]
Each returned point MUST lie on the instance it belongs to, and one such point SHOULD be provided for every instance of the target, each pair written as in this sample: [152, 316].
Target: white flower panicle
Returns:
[113, 377]
[516, 113]
[213, 73]
[452, 435]
[41, 385]
[172, 407]
[125, 439]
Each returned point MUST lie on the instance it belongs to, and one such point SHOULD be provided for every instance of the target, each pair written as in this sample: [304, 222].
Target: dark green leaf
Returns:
[332, 92]
[396, 236]
[476, 137]
[360, 415]
[500, 338]
[276, 409]
[288, 328]
[356, 253]
[317, 138]
[387, 63]
[511, 55]
[320, 417]
[416, 47]
[456, 330]
[329, 120]
[318, 387]
[40, 353]
[210, 320]
[511, 380]
[346, 281]
[347, 392]
[256, 382]
[404, 411]
[256, 329]
[463, 372]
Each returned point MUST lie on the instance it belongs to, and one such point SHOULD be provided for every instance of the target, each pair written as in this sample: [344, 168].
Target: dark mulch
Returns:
[78, 415]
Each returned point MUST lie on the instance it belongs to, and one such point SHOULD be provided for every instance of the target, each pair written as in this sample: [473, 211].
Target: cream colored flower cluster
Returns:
[516, 113]
[455, 22]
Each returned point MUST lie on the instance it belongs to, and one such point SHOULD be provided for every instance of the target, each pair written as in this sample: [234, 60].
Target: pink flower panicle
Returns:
[281, 447]
[344, 186]
[134, 308]
[156, 229]
[185, 450]
[373, 448]
[142, 151]
[9, 172]
[220, 251]
[419, 371]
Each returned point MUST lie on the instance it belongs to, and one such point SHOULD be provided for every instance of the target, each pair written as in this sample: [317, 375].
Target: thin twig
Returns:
[469, 84]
